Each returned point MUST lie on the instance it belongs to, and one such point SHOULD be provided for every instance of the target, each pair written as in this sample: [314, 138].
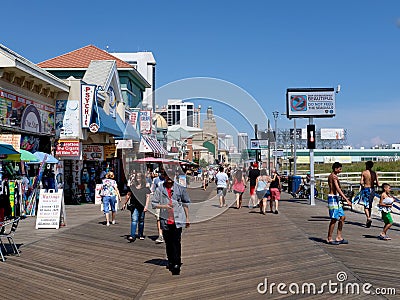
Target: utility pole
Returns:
[256, 137]
[269, 147]
[276, 115]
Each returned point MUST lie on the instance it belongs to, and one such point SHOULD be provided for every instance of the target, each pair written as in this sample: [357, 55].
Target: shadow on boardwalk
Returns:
[225, 257]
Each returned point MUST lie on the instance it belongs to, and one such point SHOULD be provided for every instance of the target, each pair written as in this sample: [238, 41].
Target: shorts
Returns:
[221, 191]
[335, 207]
[387, 217]
[252, 190]
[367, 197]
[237, 192]
[275, 194]
[109, 202]
[263, 194]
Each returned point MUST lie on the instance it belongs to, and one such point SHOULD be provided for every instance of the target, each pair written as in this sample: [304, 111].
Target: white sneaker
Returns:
[108, 223]
[113, 222]
[160, 239]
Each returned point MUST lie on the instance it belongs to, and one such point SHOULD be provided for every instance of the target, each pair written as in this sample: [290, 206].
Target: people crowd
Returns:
[166, 195]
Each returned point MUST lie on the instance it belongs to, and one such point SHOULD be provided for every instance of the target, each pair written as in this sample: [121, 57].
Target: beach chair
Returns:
[8, 231]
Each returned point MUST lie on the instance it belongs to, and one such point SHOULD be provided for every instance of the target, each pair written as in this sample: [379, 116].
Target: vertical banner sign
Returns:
[133, 118]
[87, 97]
[145, 121]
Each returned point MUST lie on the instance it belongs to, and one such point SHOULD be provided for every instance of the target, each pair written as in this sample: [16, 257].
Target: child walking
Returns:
[385, 206]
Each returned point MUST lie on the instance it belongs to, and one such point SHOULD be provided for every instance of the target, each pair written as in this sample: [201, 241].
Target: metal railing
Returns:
[351, 181]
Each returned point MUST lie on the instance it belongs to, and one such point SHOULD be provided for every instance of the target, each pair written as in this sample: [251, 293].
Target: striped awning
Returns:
[149, 144]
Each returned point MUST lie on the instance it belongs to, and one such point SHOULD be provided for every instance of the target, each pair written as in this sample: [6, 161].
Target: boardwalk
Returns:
[225, 257]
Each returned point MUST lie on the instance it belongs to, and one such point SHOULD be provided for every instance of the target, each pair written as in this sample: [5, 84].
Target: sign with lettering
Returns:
[49, 209]
[25, 113]
[13, 139]
[310, 102]
[109, 151]
[145, 121]
[92, 152]
[87, 97]
[68, 148]
[133, 118]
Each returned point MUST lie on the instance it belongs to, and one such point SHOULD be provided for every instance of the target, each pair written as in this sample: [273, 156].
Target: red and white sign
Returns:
[68, 148]
[87, 97]
[133, 118]
[92, 152]
[93, 127]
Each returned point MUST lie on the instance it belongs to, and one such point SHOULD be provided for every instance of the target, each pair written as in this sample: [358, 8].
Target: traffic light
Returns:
[311, 136]
[258, 155]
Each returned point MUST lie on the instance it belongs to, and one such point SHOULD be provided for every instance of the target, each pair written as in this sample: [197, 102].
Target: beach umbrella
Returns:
[154, 160]
[47, 158]
[23, 156]
[6, 149]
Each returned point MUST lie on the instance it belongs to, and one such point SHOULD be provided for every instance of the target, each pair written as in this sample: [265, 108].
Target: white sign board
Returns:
[124, 144]
[258, 144]
[49, 209]
[306, 103]
[332, 134]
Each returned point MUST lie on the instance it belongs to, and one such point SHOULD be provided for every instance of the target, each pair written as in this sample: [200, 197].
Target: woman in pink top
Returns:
[238, 187]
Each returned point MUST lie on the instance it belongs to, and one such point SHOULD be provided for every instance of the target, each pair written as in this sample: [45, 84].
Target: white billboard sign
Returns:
[306, 103]
[332, 134]
[258, 144]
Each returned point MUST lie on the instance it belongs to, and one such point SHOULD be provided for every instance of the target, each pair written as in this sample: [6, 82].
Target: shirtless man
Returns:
[368, 181]
[336, 212]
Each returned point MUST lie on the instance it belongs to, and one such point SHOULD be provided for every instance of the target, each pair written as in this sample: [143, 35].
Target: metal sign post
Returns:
[312, 181]
[310, 103]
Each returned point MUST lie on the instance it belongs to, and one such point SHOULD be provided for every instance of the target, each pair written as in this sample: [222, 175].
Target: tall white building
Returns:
[225, 141]
[243, 141]
[145, 64]
[182, 113]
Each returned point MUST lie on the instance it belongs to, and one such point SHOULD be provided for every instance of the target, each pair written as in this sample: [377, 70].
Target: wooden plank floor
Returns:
[226, 255]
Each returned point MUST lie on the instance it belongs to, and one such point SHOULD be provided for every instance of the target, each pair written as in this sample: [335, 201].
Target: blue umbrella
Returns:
[47, 158]
[6, 149]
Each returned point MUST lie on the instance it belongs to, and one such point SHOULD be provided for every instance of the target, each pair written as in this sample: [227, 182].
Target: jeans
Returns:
[137, 216]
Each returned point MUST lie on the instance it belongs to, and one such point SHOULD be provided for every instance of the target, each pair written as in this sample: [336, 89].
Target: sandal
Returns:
[384, 237]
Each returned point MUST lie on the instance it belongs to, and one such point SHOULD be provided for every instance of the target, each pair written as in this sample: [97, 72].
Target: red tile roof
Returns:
[80, 59]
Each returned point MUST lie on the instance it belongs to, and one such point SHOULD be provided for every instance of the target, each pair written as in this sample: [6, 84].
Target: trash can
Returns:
[290, 184]
[296, 181]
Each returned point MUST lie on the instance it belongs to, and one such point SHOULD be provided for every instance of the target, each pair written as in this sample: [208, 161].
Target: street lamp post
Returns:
[276, 115]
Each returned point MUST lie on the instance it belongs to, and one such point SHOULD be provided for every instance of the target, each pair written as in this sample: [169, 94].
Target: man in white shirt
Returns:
[222, 183]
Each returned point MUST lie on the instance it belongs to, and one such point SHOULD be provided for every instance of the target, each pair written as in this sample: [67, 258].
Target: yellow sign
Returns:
[110, 151]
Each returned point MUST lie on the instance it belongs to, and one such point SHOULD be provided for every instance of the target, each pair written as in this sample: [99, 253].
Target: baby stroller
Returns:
[305, 192]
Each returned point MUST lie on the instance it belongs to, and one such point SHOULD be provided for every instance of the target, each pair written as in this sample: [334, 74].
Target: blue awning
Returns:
[128, 132]
[108, 124]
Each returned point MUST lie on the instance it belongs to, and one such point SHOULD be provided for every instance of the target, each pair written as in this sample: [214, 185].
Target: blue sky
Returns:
[262, 47]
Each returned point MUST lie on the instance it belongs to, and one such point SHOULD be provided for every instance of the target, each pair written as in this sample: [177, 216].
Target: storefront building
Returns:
[94, 117]
[27, 117]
